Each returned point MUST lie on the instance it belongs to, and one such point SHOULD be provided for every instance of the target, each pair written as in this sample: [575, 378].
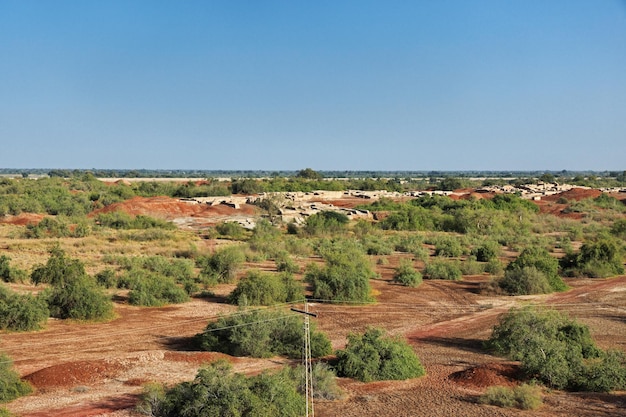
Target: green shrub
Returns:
[528, 280]
[524, 397]
[217, 391]
[261, 334]
[440, 269]
[471, 266]
[409, 243]
[10, 274]
[230, 229]
[106, 278]
[48, 227]
[11, 386]
[73, 293]
[376, 245]
[221, 266]
[79, 298]
[406, 275]
[324, 381]
[21, 312]
[284, 263]
[557, 351]
[122, 220]
[259, 288]
[540, 259]
[375, 357]
[487, 251]
[494, 267]
[619, 228]
[345, 277]
[448, 246]
[599, 259]
[151, 289]
[325, 222]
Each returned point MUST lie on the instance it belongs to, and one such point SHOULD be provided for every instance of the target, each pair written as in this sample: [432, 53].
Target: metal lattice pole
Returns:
[306, 358]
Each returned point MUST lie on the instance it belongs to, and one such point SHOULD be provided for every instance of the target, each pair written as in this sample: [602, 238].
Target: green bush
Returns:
[345, 277]
[375, 357]
[487, 251]
[259, 288]
[106, 278]
[11, 386]
[48, 227]
[221, 266]
[540, 259]
[406, 275]
[324, 381]
[284, 263]
[524, 397]
[598, 259]
[619, 228]
[21, 312]
[217, 391]
[557, 351]
[524, 281]
[152, 289]
[230, 229]
[448, 246]
[73, 293]
[79, 298]
[10, 274]
[261, 334]
[440, 269]
[376, 245]
[325, 222]
[471, 266]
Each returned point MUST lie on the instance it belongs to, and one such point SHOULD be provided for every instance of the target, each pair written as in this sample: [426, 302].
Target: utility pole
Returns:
[306, 358]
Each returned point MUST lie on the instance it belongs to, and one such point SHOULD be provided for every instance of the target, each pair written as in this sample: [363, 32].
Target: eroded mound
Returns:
[487, 375]
[74, 373]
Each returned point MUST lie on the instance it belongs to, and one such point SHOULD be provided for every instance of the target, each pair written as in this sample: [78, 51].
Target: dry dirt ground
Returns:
[98, 369]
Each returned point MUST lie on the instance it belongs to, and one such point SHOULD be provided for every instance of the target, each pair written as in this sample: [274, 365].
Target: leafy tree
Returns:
[448, 246]
[487, 251]
[152, 289]
[602, 258]
[557, 351]
[21, 312]
[217, 391]
[374, 357]
[345, 277]
[73, 293]
[524, 281]
[440, 269]
[9, 273]
[261, 333]
[406, 275]
[309, 174]
[325, 222]
[539, 258]
[221, 266]
[258, 288]
[11, 386]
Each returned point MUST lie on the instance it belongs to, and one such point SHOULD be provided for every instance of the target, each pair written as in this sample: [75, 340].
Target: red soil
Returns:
[170, 208]
[487, 375]
[22, 219]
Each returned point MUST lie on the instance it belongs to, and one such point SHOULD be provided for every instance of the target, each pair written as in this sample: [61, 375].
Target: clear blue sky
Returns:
[331, 85]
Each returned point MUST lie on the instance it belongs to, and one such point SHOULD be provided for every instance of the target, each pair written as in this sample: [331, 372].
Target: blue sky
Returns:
[331, 85]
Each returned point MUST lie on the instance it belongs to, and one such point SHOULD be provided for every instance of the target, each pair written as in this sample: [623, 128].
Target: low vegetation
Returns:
[261, 334]
[11, 386]
[524, 397]
[373, 356]
[557, 351]
[217, 391]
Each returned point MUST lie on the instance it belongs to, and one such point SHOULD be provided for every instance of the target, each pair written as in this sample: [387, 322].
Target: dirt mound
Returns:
[574, 194]
[22, 219]
[488, 375]
[169, 208]
[74, 373]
